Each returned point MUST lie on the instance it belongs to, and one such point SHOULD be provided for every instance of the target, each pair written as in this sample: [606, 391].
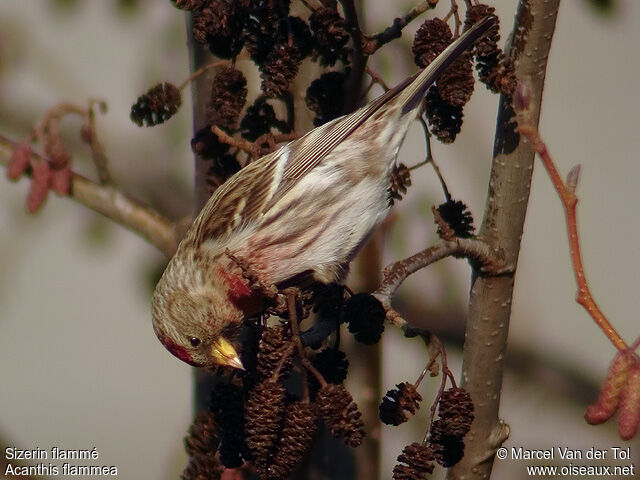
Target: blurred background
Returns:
[79, 362]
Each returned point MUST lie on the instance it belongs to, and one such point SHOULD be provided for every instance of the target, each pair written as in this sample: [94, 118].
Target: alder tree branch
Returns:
[115, 205]
[359, 59]
[566, 192]
[491, 260]
[491, 296]
[371, 43]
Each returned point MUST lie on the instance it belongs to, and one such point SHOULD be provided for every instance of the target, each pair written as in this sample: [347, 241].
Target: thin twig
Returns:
[446, 373]
[255, 148]
[377, 78]
[435, 348]
[52, 117]
[456, 17]
[569, 202]
[427, 140]
[374, 42]
[283, 361]
[240, 143]
[285, 137]
[100, 160]
[48, 124]
[113, 204]
[490, 259]
[292, 295]
[445, 230]
[308, 5]
[200, 71]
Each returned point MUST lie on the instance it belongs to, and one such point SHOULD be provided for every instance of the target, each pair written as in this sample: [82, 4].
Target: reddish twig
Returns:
[456, 17]
[200, 71]
[89, 135]
[48, 127]
[377, 78]
[446, 374]
[112, 203]
[566, 191]
[255, 149]
[240, 143]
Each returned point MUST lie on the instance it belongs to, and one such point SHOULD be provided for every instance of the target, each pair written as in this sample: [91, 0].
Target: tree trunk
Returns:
[490, 299]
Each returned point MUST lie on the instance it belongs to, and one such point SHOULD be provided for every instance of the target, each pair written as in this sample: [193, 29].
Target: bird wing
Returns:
[308, 151]
[256, 188]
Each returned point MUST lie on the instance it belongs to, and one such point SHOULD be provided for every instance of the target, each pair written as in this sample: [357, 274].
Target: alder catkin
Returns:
[609, 397]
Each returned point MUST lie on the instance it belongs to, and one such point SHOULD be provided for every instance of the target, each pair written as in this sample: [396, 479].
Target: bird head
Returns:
[194, 319]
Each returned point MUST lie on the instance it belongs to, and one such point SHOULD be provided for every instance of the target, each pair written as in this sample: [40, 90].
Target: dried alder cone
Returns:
[340, 413]
[297, 433]
[157, 105]
[228, 408]
[495, 70]
[455, 415]
[400, 180]
[397, 402]
[457, 216]
[444, 103]
[415, 463]
[265, 414]
[445, 445]
[365, 316]
[279, 69]
[256, 407]
[325, 97]
[228, 96]
[201, 445]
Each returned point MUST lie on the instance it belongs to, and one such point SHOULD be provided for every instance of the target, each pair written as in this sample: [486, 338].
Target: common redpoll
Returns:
[298, 214]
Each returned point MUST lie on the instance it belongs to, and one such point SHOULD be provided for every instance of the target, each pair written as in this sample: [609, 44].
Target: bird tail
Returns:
[410, 97]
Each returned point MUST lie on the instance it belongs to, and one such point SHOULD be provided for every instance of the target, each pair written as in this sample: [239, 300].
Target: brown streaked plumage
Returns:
[305, 208]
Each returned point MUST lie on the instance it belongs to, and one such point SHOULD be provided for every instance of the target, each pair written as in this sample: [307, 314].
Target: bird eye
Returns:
[194, 341]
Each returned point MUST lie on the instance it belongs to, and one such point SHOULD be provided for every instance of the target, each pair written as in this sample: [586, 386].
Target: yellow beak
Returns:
[223, 353]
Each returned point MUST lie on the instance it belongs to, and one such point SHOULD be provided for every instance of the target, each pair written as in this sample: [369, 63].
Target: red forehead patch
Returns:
[179, 351]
